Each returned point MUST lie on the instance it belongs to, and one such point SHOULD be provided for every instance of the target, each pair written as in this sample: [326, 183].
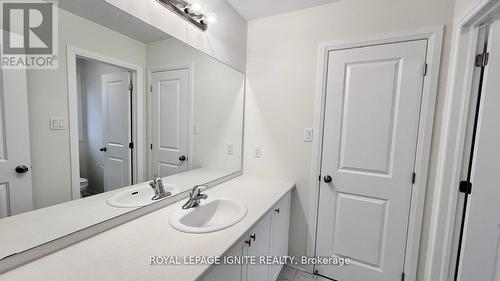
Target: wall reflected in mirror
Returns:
[126, 103]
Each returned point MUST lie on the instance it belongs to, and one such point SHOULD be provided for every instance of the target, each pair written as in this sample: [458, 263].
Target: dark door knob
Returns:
[104, 149]
[182, 158]
[21, 169]
[327, 179]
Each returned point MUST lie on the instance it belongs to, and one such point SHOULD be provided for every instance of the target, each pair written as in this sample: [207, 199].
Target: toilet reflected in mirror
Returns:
[84, 184]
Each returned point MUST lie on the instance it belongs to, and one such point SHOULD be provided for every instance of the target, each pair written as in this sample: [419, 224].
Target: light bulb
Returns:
[195, 8]
[211, 18]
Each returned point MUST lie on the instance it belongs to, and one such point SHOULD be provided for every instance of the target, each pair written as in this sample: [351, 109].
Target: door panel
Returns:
[368, 116]
[371, 121]
[360, 218]
[229, 272]
[479, 258]
[170, 121]
[280, 226]
[16, 194]
[259, 247]
[117, 130]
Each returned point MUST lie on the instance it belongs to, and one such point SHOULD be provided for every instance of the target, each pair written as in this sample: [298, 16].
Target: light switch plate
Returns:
[308, 135]
[57, 123]
[196, 128]
[258, 151]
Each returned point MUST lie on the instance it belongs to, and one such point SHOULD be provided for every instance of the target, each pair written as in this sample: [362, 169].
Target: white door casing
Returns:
[480, 242]
[373, 97]
[170, 121]
[116, 112]
[16, 194]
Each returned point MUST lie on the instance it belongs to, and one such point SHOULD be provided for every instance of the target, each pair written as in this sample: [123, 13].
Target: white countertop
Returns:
[123, 253]
[27, 230]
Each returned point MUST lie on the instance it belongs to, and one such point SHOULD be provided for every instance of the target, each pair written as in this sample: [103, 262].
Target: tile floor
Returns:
[292, 274]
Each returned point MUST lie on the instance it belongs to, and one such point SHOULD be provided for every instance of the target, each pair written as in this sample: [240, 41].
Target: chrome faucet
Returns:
[158, 188]
[195, 197]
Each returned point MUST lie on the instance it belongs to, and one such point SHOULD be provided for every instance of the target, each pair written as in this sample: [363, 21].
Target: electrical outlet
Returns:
[308, 135]
[258, 151]
[229, 149]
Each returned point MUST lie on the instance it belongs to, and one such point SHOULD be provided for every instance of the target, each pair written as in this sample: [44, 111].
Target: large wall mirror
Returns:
[81, 143]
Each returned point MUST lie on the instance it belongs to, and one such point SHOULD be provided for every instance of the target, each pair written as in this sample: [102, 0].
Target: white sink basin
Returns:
[138, 196]
[211, 215]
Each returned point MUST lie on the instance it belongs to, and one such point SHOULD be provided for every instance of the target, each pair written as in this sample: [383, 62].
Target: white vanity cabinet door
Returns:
[280, 221]
[269, 237]
[227, 272]
[260, 239]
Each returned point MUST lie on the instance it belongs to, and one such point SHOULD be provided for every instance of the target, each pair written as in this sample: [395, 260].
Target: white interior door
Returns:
[16, 195]
[370, 134]
[170, 104]
[117, 130]
[479, 259]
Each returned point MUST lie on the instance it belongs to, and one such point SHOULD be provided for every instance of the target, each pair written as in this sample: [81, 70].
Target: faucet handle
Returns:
[197, 189]
[153, 185]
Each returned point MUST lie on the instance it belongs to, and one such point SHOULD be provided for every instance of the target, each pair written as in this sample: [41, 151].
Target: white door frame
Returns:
[440, 258]
[190, 67]
[137, 112]
[434, 36]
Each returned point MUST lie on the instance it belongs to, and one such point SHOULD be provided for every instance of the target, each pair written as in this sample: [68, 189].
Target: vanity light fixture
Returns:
[191, 11]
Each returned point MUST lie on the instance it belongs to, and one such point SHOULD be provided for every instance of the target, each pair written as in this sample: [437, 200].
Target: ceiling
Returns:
[105, 14]
[254, 9]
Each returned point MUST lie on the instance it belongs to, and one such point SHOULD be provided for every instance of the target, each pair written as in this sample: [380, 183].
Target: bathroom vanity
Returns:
[125, 252]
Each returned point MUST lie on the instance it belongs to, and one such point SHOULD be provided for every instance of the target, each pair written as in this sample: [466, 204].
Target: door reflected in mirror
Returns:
[104, 126]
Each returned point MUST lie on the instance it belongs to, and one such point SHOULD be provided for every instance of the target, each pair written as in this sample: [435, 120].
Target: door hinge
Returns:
[131, 87]
[403, 276]
[319, 178]
[482, 59]
[413, 177]
[131, 145]
[465, 187]
[425, 69]
[151, 146]
[151, 88]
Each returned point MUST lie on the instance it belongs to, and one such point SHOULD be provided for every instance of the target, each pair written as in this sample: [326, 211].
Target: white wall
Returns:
[225, 40]
[282, 70]
[217, 103]
[48, 97]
